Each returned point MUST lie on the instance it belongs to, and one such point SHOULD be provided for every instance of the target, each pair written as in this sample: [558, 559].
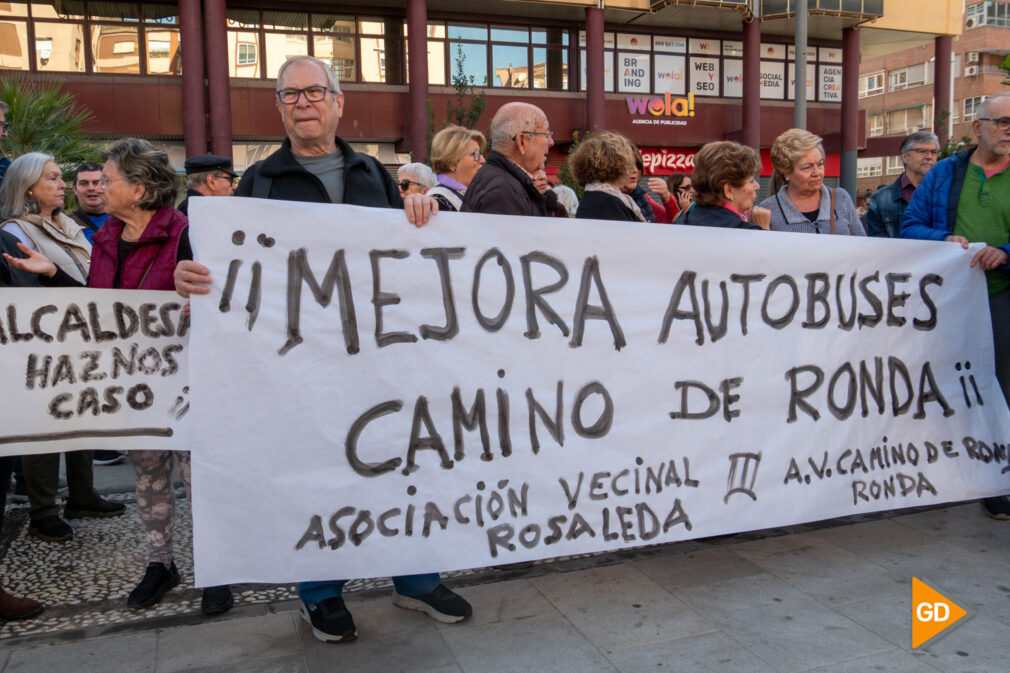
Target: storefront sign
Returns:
[634, 72]
[704, 76]
[773, 80]
[831, 83]
[671, 74]
[811, 88]
[663, 161]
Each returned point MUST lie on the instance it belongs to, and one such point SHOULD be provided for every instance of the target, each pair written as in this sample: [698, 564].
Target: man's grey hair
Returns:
[985, 109]
[21, 176]
[194, 180]
[512, 119]
[419, 172]
[916, 138]
[331, 76]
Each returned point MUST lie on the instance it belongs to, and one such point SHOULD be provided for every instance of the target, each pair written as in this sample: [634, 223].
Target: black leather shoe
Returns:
[216, 600]
[50, 529]
[99, 509]
[157, 580]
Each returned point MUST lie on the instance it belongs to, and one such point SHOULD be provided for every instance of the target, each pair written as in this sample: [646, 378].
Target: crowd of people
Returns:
[128, 234]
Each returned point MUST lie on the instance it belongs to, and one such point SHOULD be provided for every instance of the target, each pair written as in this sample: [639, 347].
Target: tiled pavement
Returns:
[819, 598]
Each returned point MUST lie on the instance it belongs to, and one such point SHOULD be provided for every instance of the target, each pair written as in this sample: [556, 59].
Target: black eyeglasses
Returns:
[313, 94]
[4, 126]
[476, 155]
[405, 184]
[1002, 123]
[225, 176]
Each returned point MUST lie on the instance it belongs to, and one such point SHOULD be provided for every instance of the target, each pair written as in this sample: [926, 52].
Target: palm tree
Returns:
[43, 118]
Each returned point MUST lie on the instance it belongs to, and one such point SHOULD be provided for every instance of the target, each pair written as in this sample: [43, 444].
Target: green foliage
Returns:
[951, 146]
[469, 104]
[1005, 67]
[565, 173]
[43, 118]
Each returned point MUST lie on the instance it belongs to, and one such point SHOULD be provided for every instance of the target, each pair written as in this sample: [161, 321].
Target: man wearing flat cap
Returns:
[208, 175]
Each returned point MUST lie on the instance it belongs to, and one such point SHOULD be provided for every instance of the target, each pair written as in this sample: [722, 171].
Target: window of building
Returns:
[870, 85]
[907, 120]
[987, 14]
[895, 166]
[876, 125]
[869, 167]
[971, 106]
[913, 75]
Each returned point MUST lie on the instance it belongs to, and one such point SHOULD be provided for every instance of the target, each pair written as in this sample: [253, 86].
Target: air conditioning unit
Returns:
[971, 57]
[971, 71]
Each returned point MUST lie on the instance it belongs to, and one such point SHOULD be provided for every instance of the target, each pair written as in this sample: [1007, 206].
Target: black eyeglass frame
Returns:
[1002, 123]
[405, 184]
[298, 93]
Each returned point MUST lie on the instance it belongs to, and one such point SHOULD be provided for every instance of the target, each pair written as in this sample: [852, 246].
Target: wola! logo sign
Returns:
[662, 107]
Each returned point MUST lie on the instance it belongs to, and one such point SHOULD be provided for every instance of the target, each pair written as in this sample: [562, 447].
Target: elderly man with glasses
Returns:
[966, 198]
[887, 206]
[314, 164]
[520, 140]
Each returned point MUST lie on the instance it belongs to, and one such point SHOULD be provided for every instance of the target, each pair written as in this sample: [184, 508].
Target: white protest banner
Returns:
[92, 369]
[372, 399]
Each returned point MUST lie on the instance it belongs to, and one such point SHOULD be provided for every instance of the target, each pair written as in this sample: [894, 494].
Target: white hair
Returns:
[567, 198]
[331, 76]
[420, 173]
[510, 120]
[985, 109]
[21, 176]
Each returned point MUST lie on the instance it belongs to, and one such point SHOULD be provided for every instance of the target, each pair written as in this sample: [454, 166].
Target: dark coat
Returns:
[886, 211]
[151, 262]
[714, 216]
[602, 206]
[502, 188]
[642, 199]
[184, 206]
[366, 181]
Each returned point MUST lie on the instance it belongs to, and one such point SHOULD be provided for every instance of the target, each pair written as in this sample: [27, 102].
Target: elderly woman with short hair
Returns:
[457, 154]
[602, 165]
[138, 248]
[803, 204]
[725, 184]
[414, 178]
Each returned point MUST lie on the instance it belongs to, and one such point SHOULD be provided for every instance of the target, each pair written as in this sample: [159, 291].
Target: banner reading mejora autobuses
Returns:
[371, 398]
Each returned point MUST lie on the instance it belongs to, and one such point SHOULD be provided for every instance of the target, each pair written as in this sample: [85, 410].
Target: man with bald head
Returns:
[520, 139]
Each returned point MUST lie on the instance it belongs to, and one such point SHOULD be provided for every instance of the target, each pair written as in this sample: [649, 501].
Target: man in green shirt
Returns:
[966, 199]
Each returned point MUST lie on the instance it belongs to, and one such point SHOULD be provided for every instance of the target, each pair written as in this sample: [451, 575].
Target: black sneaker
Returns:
[441, 604]
[50, 529]
[216, 600]
[998, 507]
[108, 457]
[331, 621]
[157, 580]
[100, 509]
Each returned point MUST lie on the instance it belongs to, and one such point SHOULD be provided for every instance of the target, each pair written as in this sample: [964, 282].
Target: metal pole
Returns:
[800, 86]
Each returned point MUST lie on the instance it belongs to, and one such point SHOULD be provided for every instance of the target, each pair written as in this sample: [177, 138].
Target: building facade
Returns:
[896, 91]
[198, 75]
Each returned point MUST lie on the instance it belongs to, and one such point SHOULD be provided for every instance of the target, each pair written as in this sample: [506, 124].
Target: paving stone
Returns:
[894, 661]
[548, 643]
[785, 627]
[136, 652]
[695, 568]
[232, 643]
[823, 570]
[637, 610]
[889, 534]
[502, 602]
[389, 639]
[710, 652]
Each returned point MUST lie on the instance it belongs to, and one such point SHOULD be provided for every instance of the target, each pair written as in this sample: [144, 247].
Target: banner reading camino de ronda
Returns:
[372, 399]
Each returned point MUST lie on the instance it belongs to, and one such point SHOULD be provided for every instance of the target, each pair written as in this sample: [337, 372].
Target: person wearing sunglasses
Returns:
[520, 140]
[457, 154]
[887, 206]
[415, 178]
[207, 175]
[964, 199]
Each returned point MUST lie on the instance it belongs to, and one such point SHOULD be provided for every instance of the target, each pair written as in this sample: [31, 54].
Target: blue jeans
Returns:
[408, 585]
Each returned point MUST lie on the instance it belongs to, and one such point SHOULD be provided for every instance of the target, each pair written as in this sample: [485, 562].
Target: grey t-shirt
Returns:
[329, 168]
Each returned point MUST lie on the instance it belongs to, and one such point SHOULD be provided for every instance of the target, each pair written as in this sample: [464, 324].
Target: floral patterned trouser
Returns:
[156, 497]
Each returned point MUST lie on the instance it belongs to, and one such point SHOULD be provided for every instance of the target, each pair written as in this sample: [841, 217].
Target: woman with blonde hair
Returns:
[457, 154]
[803, 204]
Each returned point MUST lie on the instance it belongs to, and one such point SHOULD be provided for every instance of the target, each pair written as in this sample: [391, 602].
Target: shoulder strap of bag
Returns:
[449, 195]
[832, 192]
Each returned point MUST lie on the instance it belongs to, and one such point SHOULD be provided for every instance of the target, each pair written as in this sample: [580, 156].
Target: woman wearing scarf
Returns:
[601, 165]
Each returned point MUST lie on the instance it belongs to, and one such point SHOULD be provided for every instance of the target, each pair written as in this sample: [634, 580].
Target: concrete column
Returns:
[850, 110]
[218, 88]
[417, 60]
[943, 86]
[752, 83]
[194, 118]
[595, 103]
